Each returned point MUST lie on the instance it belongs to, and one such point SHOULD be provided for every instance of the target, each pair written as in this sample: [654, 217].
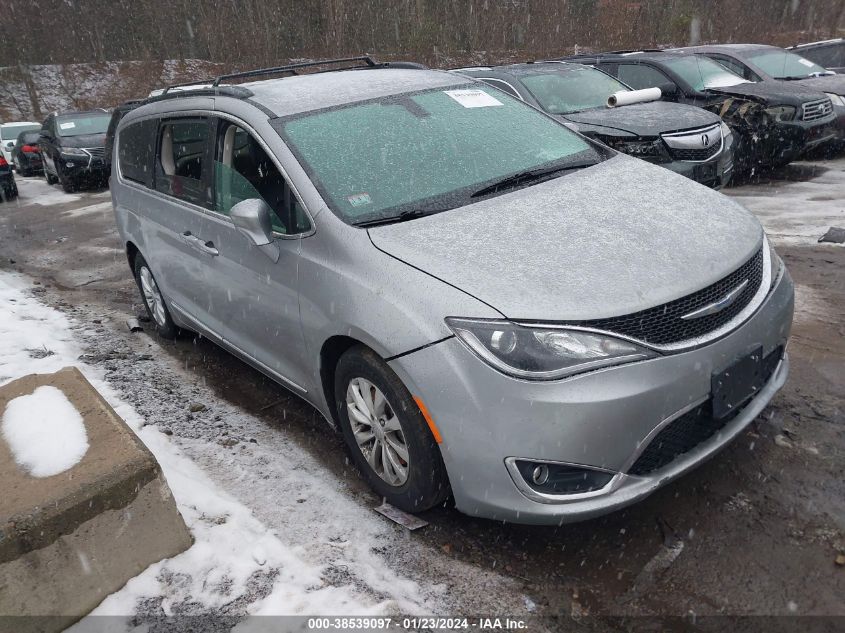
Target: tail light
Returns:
[30, 149]
[3, 162]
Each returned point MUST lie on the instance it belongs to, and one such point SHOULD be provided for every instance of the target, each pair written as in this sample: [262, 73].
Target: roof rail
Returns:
[364, 60]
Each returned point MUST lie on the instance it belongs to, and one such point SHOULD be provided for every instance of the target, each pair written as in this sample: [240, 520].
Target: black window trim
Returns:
[502, 81]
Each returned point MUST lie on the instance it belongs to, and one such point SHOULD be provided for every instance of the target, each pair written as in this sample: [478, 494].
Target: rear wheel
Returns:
[153, 300]
[387, 434]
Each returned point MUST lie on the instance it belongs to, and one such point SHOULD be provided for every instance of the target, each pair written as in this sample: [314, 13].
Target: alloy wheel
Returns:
[152, 296]
[377, 431]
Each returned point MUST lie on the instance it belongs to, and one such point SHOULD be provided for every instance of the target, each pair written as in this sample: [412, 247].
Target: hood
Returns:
[645, 119]
[84, 140]
[827, 83]
[774, 92]
[604, 241]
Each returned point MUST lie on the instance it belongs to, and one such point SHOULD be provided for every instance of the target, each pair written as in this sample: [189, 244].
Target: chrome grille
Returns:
[695, 145]
[663, 325]
[96, 152]
[813, 110]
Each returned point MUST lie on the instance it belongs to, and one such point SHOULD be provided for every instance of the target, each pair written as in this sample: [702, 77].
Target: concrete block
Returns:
[69, 540]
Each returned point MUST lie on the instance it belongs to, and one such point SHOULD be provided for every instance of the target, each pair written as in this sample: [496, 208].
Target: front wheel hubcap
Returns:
[377, 431]
[152, 296]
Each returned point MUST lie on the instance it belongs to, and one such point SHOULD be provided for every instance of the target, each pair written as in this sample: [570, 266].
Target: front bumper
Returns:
[715, 173]
[794, 138]
[602, 419]
[83, 167]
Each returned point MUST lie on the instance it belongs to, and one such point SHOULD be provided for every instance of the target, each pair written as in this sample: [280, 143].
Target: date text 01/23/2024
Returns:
[415, 624]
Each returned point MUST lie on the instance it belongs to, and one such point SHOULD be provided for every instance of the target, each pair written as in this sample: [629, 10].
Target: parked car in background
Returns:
[73, 148]
[774, 122]
[26, 154]
[829, 54]
[8, 187]
[759, 62]
[683, 138]
[117, 115]
[486, 303]
[9, 134]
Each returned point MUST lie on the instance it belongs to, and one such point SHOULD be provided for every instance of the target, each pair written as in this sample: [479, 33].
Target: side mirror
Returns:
[252, 218]
[668, 89]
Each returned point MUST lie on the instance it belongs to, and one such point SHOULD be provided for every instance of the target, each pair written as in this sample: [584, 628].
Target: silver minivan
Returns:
[488, 305]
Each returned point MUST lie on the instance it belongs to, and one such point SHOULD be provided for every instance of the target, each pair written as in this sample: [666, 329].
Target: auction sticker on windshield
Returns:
[473, 98]
[67, 126]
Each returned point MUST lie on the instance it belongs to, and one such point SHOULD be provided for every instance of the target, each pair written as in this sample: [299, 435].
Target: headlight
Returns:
[73, 151]
[541, 353]
[639, 149]
[726, 131]
[836, 99]
[781, 113]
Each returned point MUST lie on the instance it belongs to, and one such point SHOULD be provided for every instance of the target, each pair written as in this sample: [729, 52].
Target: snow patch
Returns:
[45, 432]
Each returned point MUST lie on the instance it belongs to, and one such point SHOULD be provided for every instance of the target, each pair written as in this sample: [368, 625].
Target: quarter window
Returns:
[136, 148]
[243, 170]
[182, 160]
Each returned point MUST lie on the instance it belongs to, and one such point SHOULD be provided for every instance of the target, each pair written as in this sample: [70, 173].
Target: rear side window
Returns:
[136, 148]
[183, 160]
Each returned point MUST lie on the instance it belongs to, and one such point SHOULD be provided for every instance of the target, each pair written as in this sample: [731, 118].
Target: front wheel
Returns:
[68, 185]
[153, 300]
[51, 179]
[387, 434]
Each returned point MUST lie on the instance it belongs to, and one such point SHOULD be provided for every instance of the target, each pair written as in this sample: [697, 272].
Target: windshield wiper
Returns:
[411, 214]
[527, 176]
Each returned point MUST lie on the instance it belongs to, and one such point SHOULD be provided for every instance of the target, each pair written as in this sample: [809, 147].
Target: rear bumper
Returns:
[600, 420]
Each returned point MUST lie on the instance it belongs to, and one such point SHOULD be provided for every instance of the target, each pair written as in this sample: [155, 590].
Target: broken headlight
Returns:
[781, 113]
[542, 352]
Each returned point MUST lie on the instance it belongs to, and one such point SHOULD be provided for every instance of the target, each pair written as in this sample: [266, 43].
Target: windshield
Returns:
[77, 125]
[425, 152]
[785, 65]
[10, 131]
[572, 90]
[702, 73]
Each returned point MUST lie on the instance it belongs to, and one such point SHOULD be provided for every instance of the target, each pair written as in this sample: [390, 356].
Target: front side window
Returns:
[183, 160]
[572, 90]
[425, 152]
[785, 65]
[136, 148]
[243, 170]
[639, 76]
[82, 124]
[702, 72]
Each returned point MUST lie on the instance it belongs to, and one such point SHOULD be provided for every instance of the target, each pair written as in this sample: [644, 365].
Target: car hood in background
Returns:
[826, 83]
[645, 119]
[604, 241]
[84, 140]
[774, 92]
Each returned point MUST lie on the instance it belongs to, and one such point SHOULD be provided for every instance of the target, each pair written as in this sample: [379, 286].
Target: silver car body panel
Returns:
[565, 249]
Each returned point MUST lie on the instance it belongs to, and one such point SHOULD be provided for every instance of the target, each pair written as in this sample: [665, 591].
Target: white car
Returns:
[9, 134]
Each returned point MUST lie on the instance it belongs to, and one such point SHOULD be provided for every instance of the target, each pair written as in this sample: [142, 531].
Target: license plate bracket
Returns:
[736, 384]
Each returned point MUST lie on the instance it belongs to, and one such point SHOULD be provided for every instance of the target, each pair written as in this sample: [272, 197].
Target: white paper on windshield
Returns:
[67, 126]
[473, 98]
[806, 62]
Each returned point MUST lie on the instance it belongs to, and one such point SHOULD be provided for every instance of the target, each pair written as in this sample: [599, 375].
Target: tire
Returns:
[158, 312]
[51, 179]
[426, 484]
[68, 185]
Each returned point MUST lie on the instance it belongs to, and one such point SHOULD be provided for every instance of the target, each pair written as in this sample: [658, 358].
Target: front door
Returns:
[253, 299]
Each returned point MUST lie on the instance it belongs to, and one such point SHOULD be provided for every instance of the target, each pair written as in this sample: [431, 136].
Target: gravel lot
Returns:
[754, 531]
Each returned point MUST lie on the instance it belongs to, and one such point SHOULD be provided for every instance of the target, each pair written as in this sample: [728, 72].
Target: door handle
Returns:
[198, 244]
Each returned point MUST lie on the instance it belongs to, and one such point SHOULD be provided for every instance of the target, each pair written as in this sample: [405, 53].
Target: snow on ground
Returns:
[236, 559]
[45, 432]
[798, 213]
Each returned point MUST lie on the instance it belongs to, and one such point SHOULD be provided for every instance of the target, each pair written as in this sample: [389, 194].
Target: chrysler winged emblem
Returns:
[718, 305]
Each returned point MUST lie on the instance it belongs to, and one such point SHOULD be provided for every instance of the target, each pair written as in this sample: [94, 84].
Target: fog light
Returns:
[561, 479]
[540, 474]
[68, 164]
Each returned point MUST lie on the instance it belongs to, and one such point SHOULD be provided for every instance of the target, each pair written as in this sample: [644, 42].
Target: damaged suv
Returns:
[545, 334]
[774, 122]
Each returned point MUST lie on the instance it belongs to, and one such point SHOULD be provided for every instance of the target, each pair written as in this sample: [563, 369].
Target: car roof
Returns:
[820, 43]
[316, 91]
[655, 55]
[78, 112]
[735, 48]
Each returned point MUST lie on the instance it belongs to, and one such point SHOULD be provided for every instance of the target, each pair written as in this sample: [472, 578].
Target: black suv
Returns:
[73, 148]
[774, 122]
[685, 139]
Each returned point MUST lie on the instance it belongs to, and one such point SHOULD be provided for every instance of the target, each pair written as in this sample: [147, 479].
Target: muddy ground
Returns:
[754, 531]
